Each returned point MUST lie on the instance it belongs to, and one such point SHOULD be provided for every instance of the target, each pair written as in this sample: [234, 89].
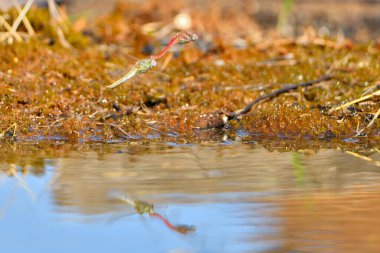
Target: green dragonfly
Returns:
[140, 67]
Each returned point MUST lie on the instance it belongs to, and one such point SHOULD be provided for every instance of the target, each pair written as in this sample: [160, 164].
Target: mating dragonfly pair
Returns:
[142, 207]
[144, 65]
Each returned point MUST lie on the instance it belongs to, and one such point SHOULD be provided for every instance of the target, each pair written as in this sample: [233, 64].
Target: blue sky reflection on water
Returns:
[31, 222]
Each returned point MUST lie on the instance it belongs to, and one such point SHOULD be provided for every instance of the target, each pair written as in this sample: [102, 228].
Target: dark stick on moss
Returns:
[275, 93]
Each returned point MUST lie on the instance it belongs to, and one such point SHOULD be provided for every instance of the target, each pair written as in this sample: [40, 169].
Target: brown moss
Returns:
[52, 92]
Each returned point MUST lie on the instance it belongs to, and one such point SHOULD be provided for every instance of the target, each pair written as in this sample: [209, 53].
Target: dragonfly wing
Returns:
[118, 216]
[116, 195]
[129, 75]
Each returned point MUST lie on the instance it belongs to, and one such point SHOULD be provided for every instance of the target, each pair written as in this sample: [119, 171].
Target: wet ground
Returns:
[212, 197]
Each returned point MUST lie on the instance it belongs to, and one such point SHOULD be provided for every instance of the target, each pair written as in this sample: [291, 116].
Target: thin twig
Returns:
[275, 93]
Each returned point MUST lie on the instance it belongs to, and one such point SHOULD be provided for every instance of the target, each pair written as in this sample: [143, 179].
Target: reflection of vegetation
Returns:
[365, 158]
[29, 159]
[140, 206]
[143, 207]
[299, 169]
[11, 171]
[24, 166]
[283, 17]
[12, 163]
[183, 229]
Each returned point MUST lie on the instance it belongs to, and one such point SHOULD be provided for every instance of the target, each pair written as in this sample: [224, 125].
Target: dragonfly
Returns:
[140, 67]
[178, 39]
[142, 207]
[144, 65]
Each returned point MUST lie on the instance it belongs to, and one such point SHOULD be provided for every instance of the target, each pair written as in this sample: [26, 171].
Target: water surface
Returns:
[232, 197]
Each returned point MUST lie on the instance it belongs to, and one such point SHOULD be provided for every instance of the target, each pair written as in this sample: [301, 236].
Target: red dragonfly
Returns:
[144, 65]
[178, 39]
[143, 207]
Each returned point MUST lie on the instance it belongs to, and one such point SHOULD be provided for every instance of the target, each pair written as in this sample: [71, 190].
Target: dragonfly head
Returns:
[186, 37]
[153, 63]
[194, 36]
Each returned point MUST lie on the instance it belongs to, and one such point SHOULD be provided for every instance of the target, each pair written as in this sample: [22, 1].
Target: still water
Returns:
[213, 197]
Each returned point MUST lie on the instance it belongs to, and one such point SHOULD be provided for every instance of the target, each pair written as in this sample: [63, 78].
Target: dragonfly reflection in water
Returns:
[142, 207]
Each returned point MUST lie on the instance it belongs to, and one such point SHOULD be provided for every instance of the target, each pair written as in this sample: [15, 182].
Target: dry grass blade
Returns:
[21, 16]
[365, 158]
[361, 99]
[370, 123]
[60, 23]
[377, 93]
[9, 32]
[25, 20]
[57, 15]
[3, 135]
